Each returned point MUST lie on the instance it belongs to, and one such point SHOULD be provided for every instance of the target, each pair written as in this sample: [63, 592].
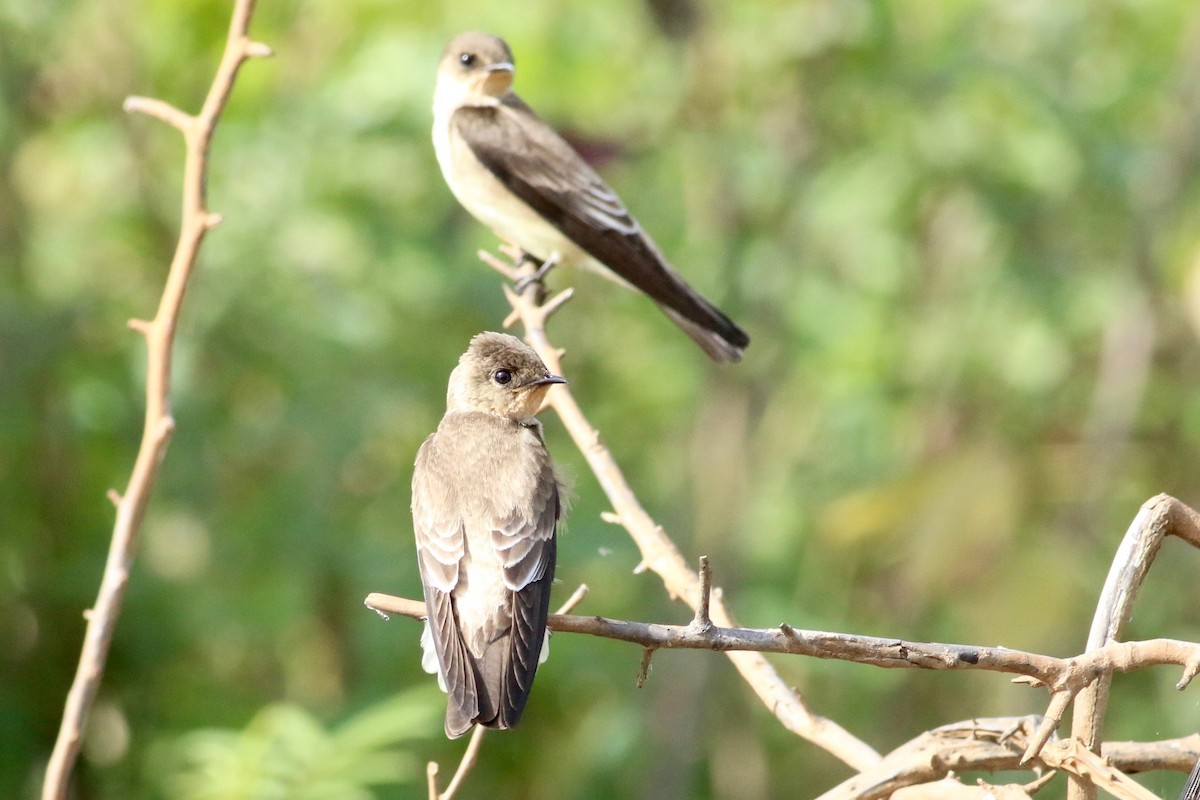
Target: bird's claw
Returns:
[538, 275]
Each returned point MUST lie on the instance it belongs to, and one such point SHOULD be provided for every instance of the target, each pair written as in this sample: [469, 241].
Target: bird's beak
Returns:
[547, 381]
[498, 78]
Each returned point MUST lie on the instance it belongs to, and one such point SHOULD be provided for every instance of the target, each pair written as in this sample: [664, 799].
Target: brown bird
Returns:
[520, 178]
[486, 502]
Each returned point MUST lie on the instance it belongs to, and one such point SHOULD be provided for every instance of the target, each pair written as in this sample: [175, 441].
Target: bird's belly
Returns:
[493, 204]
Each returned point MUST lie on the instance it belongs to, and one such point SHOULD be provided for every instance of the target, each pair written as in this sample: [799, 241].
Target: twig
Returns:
[997, 745]
[574, 600]
[702, 620]
[660, 554]
[159, 424]
[470, 756]
[1066, 677]
[1158, 517]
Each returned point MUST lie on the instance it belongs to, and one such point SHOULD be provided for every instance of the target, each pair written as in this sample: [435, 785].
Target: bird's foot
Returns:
[538, 275]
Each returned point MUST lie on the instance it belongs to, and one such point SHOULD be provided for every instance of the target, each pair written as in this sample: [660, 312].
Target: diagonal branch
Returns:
[659, 553]
[159, 334]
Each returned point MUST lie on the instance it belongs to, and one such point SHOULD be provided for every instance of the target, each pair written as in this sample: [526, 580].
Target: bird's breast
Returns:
[487, 199]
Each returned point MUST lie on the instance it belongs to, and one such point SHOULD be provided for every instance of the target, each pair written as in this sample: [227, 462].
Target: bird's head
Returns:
[500, 375]
[476, 69]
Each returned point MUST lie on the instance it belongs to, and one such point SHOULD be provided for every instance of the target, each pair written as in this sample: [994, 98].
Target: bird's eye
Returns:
[502, 376]
[467, 59]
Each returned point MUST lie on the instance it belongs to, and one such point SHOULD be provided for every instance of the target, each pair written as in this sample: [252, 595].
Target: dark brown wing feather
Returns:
[538, 166]
[530, 552]
[491, 690]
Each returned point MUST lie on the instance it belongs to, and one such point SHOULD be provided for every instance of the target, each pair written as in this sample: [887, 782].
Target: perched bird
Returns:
[486, 502]
[517, 176]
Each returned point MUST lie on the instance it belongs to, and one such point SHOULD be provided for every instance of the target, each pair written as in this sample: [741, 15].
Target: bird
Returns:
[516, 175]
[486, 505]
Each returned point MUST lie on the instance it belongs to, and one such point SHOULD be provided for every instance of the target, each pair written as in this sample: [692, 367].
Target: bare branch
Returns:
[660, 554]
[470, 756]
[1064, 676]
[712, 626]
[161, 110]
[996, 745]
[1158, 517]
[158, 426]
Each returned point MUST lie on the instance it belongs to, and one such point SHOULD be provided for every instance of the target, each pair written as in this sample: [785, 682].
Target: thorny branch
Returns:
[1013, 740]
[659, 553]
[159, 334]
[1025, 742]
[995, 745]
[1065, 675]
[1159, 517]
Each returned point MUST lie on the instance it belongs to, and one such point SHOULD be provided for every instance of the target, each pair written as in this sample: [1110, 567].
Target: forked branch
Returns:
[159, 334]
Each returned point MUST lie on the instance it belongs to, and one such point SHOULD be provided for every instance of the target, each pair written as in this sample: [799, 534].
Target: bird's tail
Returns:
[718, 335]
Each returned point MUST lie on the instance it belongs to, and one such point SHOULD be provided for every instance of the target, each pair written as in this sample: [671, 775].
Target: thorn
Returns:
[141, 326]
[114, 497]
[504, 269]
[574, 600]
[1189, 671]
[257, 50]
[88, 614]
[513, 318]
[515, 300]
[212, 220]
[787, 630]
[611, 517]
[641, 567]
[701, 620]
[644, 672]
[166, 426]
[159, 110]
[1046, 728]
[556, 302]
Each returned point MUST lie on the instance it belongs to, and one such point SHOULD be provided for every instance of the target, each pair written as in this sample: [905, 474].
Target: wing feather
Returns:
[538, 166]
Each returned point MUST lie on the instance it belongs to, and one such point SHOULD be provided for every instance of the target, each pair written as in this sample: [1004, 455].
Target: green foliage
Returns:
[285, 752]
[963, 238]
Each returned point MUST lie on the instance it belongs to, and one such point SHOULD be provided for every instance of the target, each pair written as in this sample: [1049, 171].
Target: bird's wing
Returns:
[538, 165]
[526, 545]
[540, 168]
[441, 545]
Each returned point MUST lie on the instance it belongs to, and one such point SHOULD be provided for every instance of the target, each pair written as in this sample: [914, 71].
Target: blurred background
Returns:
[964, 238]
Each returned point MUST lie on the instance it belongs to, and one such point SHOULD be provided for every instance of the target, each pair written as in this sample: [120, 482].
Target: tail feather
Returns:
[722, 340]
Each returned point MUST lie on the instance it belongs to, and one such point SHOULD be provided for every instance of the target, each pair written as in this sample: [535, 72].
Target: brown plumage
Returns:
[516, 175]
[486, 502]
